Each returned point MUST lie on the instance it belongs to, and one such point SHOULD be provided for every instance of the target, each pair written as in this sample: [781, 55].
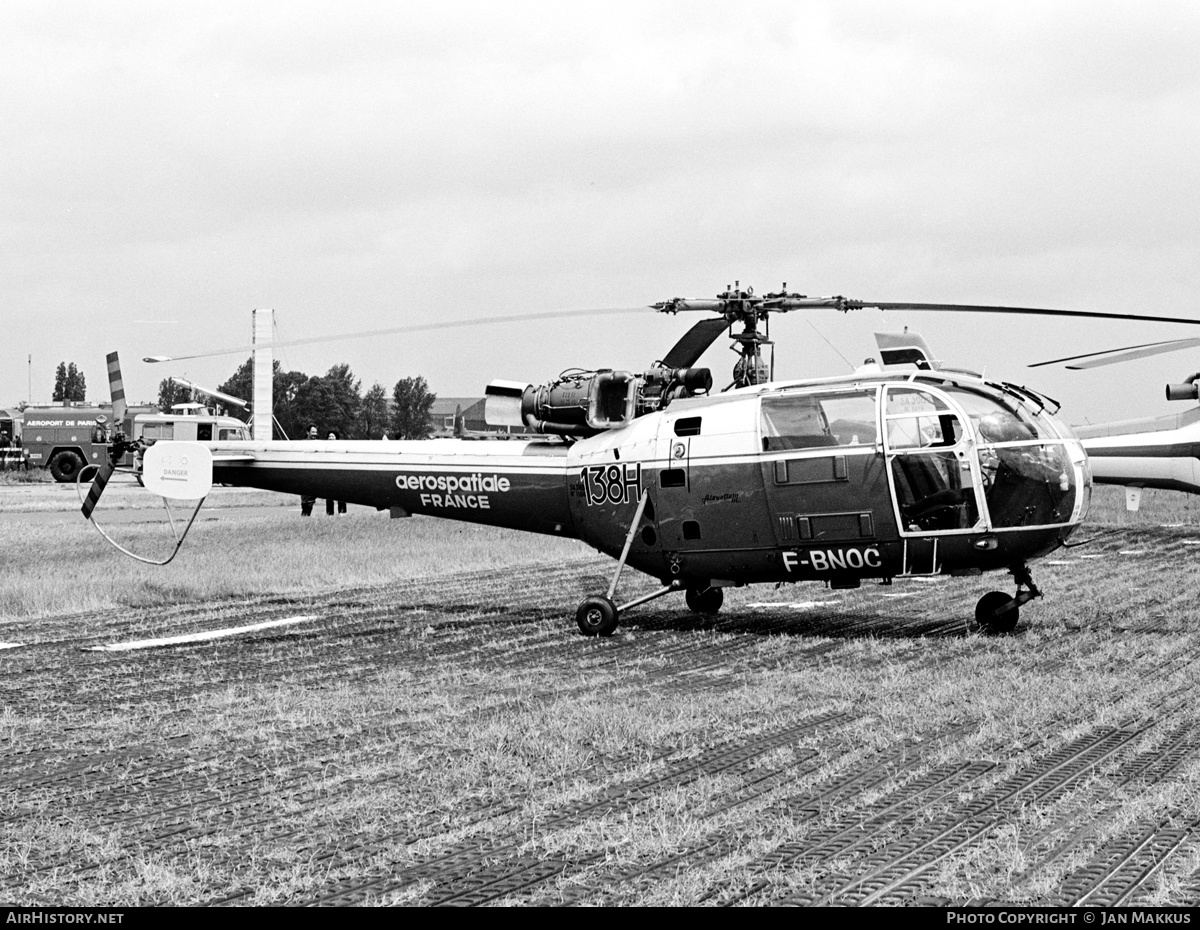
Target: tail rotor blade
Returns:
[98, 484]
[116, 388]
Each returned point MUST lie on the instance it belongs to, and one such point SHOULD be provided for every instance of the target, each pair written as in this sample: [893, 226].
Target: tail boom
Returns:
[521, 485]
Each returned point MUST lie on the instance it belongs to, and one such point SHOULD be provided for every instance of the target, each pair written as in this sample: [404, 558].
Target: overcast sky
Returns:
[166, 168]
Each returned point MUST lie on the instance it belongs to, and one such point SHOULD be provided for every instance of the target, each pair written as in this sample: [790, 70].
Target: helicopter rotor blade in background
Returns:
[396, 330]
[1126, 354]
[695, 342]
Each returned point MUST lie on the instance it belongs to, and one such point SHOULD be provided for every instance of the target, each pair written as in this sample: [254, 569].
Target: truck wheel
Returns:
[64, 466]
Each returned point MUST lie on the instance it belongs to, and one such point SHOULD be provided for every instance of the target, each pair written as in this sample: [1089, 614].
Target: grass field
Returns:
[66, 567]
[425, 726]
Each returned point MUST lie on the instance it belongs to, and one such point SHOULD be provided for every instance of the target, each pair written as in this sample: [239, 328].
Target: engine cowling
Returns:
[584, 403]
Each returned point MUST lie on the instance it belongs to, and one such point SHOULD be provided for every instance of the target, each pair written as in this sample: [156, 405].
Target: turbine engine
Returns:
[584, 403]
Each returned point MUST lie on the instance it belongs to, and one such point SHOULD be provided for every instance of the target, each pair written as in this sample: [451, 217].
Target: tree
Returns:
[241, 384]
[373, 414]
[331, 401]
[411, 403]
[69, 384]
[76, 385]
[343, 402]
[290, 420]
[169, 394]
[284, 388]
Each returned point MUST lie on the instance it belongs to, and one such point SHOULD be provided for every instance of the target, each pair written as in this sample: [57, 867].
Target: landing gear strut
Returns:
[599, 615]
[997, 613]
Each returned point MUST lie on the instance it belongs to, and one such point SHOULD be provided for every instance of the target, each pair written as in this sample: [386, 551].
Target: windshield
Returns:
[1010, 459]
[1027, 481]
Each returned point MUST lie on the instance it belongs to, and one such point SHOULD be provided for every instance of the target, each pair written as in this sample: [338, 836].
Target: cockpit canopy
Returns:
[962, 454]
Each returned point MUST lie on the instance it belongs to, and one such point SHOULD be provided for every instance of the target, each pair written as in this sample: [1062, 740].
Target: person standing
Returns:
[306, 503]
[341, 505]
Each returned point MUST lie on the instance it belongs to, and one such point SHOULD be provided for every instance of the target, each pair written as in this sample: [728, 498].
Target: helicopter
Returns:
[1148, 452]
[904, 468]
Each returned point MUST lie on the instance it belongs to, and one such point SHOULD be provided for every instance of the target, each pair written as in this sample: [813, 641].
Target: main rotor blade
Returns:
[1123, 354]
[396, 330]
[1116, 356]
[695, 342]
[846, 304]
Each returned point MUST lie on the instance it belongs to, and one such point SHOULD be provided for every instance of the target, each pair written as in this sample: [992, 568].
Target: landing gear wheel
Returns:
[992, 623]
[704, 600]
[597, 616]
[64, 466]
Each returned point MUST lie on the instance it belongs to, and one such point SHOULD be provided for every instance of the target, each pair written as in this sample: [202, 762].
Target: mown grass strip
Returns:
[186, 638]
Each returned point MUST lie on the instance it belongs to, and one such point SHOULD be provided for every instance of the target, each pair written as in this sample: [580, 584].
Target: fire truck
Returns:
[66, 438]
[11, 453]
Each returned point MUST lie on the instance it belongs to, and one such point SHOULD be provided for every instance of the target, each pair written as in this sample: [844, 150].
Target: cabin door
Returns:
[935, 481]
[823, 468]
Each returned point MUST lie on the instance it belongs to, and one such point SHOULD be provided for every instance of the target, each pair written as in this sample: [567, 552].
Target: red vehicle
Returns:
[11, 453]
[65, 439]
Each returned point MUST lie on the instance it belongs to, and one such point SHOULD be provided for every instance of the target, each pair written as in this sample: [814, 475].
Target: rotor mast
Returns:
[741, 305]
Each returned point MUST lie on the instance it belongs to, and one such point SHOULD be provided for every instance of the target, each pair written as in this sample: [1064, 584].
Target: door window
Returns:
[932, 478]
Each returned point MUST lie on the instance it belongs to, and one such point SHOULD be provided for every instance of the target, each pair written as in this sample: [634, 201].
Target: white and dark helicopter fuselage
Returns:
[1154, 452]
[874, 476]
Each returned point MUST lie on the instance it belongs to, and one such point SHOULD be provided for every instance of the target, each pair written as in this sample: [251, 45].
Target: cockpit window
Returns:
[922, 432]
[996, 421]
[917, 420]
[813, 421]
[902, 400]
[934, 492]
[1030, 485]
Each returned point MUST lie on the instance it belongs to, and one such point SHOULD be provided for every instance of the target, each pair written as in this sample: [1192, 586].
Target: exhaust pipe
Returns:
[1189, 390]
